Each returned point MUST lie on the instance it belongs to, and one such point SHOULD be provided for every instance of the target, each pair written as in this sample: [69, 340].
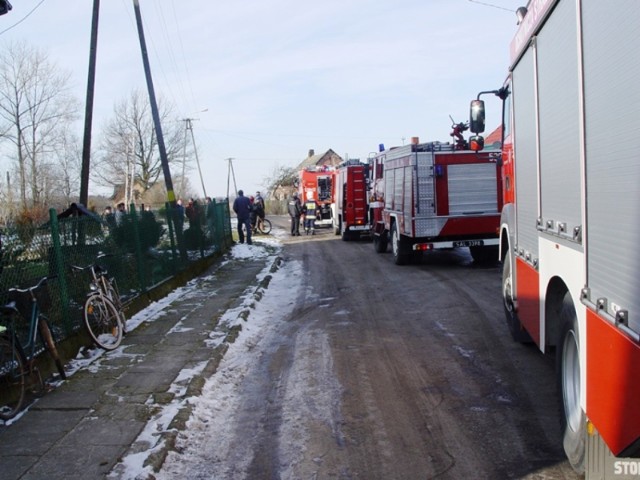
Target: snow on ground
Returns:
[218, 394]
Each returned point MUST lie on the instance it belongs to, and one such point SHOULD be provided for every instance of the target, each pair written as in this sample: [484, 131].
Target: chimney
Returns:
[311, 152]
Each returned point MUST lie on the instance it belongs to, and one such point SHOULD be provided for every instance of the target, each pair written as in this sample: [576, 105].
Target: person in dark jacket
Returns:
[242, 208]
[295, 211]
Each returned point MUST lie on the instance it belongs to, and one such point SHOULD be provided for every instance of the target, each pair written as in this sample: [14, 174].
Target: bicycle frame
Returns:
[29, 348]
[102, 306]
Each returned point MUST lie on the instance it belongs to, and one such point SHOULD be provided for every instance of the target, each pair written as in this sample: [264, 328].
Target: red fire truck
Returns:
[350, 212]
[319, 182]
[570, 221]
[427, 196]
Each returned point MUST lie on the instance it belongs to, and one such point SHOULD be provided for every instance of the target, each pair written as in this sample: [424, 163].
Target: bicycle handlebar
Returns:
[94, 265]
[35, 287]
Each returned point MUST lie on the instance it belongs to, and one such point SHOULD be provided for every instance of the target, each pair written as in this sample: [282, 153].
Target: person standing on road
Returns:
[260, 207]
[179, 216]
[242, 208]
[295, 210]
[210, 215]
[121, 211]
[310, 212]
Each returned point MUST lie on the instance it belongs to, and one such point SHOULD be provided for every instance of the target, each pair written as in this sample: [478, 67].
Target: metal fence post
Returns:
[58, 268]
[139, 260]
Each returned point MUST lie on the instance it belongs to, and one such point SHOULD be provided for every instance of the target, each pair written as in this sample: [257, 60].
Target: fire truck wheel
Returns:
[568, 366]
[399, 257]
[518, 333]
[380, 243]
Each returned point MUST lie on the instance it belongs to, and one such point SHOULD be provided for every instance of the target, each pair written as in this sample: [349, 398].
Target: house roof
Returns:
[494, 138]
[327, 158]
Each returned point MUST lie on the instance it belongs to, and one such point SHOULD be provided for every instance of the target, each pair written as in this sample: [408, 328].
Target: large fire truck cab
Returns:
[318, 182]
[570, 223]
[428, 196]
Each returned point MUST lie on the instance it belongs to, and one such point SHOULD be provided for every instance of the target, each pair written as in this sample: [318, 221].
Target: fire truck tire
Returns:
[518, 333]
[380, 243]
[348, 235]
[399, 256]
[572, 418]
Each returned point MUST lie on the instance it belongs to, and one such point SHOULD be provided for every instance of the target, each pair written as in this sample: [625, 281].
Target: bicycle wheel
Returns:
[265, 226]
[50, 344]
[12, 381]
[103, 322]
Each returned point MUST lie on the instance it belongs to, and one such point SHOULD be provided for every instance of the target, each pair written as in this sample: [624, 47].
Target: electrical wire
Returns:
[23, 18]
[491, 5]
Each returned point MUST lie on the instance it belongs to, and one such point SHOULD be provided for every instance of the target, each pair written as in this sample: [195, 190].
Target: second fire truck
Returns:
[429, 196]
[350, 209]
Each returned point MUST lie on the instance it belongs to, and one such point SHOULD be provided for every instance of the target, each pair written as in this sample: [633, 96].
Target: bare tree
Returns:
[68, 161]
[36, 108]
[281, 181]
[129, 147]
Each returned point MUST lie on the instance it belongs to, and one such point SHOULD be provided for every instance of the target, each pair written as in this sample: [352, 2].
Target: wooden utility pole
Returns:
[171, 196]
[195, 150]
[230, 173]
[88, 112]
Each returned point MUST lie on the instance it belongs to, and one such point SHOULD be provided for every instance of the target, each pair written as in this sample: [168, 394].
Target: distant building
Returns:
[494, 139]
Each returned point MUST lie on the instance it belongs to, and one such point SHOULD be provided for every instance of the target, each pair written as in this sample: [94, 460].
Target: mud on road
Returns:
[387, 372]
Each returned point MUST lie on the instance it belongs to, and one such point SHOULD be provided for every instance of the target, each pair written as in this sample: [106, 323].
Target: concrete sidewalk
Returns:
[84, 427]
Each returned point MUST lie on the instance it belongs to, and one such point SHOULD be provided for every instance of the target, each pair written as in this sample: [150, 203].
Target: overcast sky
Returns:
[280, 77]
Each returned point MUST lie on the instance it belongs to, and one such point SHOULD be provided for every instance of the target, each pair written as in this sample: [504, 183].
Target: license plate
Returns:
[469, 243]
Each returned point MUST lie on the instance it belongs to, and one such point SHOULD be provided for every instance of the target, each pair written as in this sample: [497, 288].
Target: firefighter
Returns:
[310, 211]
[295, 210]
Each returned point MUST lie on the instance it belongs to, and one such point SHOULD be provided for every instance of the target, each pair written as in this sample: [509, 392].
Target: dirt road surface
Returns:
[389, 372]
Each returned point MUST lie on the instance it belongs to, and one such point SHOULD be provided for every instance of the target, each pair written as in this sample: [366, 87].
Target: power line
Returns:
[23, 18]
[491, 5]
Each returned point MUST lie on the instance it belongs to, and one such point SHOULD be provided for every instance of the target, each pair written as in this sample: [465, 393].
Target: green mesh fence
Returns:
[143, 248]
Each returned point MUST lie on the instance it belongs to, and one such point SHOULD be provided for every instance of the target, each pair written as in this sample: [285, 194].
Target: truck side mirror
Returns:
[5, 6]
[476, 143]
[476, 124]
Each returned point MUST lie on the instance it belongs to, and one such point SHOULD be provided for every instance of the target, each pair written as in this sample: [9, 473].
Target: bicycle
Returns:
[17, 361]
[103, 310]
[263, 226]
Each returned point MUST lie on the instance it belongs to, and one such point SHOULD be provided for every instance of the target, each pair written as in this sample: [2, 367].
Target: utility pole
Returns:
[189, 126]
[171, 196]
[230, 172]
[88, 113]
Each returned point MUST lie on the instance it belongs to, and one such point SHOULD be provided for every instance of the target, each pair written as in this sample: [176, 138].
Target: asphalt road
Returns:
[389, 372]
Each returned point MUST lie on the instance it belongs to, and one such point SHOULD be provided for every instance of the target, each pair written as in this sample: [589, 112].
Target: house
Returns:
[494, 139]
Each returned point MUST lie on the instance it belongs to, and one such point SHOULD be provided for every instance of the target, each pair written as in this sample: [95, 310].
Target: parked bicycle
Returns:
[103, 310]
[17, 360]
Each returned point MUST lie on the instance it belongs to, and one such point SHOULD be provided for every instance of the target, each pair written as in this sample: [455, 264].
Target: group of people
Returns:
[193, 213]
[249, 210]
[114, 218]
[310, 210]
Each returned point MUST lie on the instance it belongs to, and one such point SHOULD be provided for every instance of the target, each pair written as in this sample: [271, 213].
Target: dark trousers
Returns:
[295, 225]
[309, 223]
[246, 222]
